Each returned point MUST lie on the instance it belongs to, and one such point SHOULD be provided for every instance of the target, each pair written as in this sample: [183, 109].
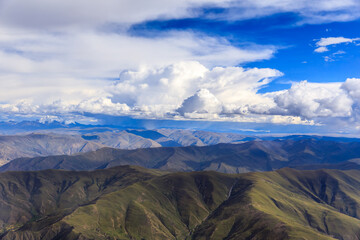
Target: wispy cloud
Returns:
[323, 43]
[324, 11]
[321, 49]
[59, 15]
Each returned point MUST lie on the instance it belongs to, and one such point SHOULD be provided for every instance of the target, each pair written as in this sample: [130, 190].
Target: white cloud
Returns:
[189, 90]
[66, 14]
[352, 87]
[203, 102]
[321, 49]
[313, 100]
[169, 86]
[59, 57]
[322, 12]
[164, 92]
[323, 42]
[61, 14]
[48, 67]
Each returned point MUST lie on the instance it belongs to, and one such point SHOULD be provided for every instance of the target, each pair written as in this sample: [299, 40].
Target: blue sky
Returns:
[295, 56]
[278, 66]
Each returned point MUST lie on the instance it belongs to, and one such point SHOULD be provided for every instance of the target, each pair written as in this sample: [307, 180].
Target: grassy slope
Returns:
[289, 204]
[168, 207]
[286, 204]
[33, 195]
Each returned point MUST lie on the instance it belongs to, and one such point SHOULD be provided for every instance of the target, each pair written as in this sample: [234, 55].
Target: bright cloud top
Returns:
[163, 90]
[189, 90]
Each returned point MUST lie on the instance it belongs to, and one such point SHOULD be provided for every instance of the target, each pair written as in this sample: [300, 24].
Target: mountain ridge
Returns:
[228, 158]
[282, 204]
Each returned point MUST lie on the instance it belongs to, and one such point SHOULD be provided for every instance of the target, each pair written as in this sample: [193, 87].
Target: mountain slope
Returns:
[32, 145]
[285, 204]
[48, 143]
[227, 158]
[290, 204]
[32, 195]
[121, 140]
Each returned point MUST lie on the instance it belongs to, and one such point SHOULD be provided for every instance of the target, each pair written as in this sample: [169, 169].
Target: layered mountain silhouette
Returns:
[74, 141]
[32, 145]
[70, 139]
[135, 203]
[227, 158]
[178, 184]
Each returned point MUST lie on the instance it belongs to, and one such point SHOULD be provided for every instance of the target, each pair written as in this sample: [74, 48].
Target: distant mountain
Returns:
[32, 145]
[201, 138]
[74, 141]
[135, 203]
[164, 138]
[314, 137]
[57, 138]
[227, 158]
[121, 140]
[25, 126]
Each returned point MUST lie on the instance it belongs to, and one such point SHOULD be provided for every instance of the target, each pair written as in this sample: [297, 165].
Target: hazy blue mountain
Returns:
[31, 145]
[227, 158]
[74, 140]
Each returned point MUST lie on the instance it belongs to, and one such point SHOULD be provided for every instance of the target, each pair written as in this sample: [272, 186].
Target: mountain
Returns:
[74, 141]
[29, 196]
[121, 140]
[56, 138]
[32, 145]
[13, 127]
[134, 203]
[200, 138]
[227, 158]
[163, 138]
[314, 137]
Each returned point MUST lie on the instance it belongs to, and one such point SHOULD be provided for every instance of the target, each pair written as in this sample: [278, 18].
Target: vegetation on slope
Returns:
[135, 203]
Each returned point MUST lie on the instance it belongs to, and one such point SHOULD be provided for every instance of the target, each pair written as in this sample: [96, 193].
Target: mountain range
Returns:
[101, 183]
[55, 138]
[71, 142]
[134, 203]
[228, 158]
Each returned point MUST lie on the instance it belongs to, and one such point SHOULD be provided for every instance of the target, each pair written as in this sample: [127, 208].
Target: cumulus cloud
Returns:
[48, 67]
[352, 87]
[60, 58]
[66, 49]
[178, 90]
[189, 90]
[313, 100]
[202, 102]
[169, 86]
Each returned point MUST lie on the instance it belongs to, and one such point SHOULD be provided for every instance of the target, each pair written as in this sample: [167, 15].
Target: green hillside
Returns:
[285, 204]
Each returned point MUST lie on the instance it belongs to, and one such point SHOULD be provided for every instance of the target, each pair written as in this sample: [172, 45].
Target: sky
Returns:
[262, 65]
